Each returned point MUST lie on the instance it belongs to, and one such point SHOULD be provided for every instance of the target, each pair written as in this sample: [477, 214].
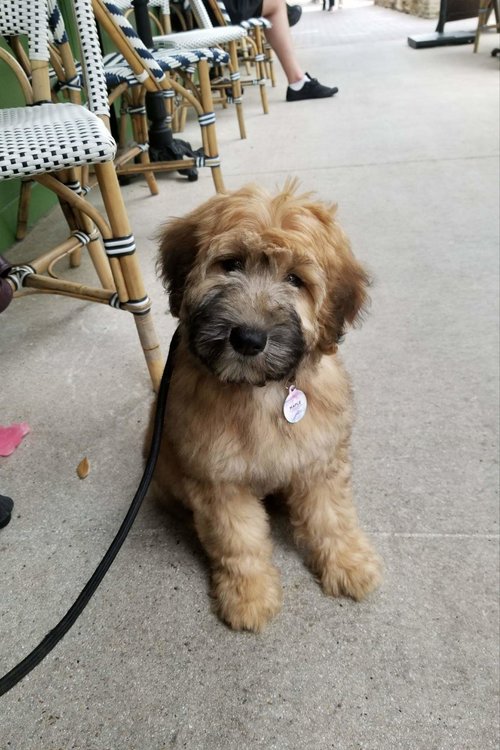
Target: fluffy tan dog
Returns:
[263, 287]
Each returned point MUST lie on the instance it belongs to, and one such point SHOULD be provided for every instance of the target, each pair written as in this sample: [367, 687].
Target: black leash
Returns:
[54, 636]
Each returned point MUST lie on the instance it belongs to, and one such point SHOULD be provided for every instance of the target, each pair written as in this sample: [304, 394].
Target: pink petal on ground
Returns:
[11, 436]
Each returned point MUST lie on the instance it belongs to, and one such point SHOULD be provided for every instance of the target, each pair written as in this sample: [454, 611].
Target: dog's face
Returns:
[259, 282]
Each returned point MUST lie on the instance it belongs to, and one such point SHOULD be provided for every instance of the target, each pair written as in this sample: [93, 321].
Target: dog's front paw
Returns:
[247, 602]
[354, 572]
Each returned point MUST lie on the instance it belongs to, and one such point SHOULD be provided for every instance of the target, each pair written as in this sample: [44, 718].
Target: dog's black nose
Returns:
[248, 341]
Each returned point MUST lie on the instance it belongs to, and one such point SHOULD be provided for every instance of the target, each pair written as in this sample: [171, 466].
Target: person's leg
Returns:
[300, 84]
[280, 39]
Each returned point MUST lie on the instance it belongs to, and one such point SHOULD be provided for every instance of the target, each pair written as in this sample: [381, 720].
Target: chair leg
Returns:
[270, 72]
[246, 55]
[236, 86]
[180, 117]
[140, 134]
[212, 149]
[257, 45]
[78, 220]
[166, 23]
[261, 69]
[126, 271]
[23, 209]
[75, 258]
[203, 103]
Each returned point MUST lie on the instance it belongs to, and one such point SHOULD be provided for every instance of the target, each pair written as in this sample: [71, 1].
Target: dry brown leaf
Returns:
[83, 468]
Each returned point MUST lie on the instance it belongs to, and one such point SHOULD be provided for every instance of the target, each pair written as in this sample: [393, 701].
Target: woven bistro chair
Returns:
[179, 8]
[156, 21]
[187, 56]
[228, 89]
[255, 27]
[209, 35]
[252, 49]
[147, 67]
[182, 62]
[122, 81]
[8, 22]
[225, 34]
[69, 78]
[51, 142]
[66, 77]
[161, 22]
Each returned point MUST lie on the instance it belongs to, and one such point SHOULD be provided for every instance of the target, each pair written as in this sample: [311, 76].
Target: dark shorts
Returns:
[242, 10]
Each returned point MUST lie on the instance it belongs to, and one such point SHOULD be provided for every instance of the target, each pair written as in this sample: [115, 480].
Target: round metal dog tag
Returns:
[295, 405]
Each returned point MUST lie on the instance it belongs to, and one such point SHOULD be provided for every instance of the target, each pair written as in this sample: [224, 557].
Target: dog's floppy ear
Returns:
[178, 249]
[347, 296]
[181, 239]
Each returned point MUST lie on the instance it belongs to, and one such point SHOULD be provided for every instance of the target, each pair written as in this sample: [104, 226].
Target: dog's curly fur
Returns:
[263, 287]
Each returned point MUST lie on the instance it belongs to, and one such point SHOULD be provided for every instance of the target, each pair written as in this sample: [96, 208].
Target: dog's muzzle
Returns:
[238, 351]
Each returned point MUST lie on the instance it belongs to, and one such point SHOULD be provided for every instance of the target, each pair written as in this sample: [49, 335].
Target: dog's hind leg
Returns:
[233, 527]
[325, 520]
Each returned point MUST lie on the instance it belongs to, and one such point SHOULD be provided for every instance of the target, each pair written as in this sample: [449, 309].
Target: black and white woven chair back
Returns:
[56, 24]
[51, 137]
[92, 65]
[31, 18]
[156, 61]
[200, 13]
[135, 41]
[27, 19]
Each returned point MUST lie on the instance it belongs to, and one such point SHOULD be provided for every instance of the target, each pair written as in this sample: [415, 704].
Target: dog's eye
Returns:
[231, 264]
[294, 280]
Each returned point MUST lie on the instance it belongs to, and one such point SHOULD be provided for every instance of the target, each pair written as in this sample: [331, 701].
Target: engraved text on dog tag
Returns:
[295, 405]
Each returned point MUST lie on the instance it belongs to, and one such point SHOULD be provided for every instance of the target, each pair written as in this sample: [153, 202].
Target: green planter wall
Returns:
[42, 200]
